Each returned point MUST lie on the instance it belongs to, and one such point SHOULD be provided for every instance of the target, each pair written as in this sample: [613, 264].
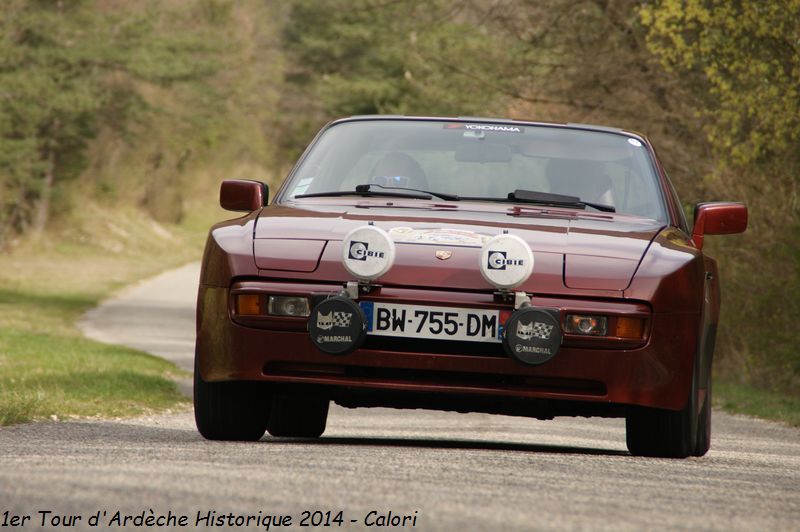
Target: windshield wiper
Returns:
[556, 200]
[440, 195]
[365, 191]
[369, 190]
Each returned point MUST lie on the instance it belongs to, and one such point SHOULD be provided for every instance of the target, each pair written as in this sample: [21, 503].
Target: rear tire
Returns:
[235, 411]
[296, 416]
[704, 427]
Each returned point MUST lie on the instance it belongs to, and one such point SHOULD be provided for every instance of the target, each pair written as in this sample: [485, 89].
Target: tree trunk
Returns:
[43, 206]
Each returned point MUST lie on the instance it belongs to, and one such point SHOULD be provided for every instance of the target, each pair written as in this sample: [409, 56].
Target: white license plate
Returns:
[438, 323]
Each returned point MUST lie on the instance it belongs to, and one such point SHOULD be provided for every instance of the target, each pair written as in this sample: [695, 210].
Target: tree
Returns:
[746, 57]
[63, 64]
[377, 56]
[749, 56]
[563, 61]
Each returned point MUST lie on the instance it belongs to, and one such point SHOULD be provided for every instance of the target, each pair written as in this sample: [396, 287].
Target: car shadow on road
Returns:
[445, 444]
[122, 433]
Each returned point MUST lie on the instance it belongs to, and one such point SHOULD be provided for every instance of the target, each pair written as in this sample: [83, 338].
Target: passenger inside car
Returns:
[584, 179]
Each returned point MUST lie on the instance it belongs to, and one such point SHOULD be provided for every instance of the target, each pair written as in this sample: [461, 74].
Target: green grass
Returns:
[47, 368]
[45, 375]
[745, 399]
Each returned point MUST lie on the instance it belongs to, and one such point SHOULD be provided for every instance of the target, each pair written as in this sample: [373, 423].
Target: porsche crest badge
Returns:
[443, 254]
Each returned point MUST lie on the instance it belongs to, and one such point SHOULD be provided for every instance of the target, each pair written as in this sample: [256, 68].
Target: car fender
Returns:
[229, 252]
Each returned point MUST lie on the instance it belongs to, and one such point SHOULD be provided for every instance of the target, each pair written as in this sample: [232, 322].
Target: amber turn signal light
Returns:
[629, 327]
[248, 305]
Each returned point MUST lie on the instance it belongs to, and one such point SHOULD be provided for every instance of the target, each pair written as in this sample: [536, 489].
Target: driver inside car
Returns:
[398, 170]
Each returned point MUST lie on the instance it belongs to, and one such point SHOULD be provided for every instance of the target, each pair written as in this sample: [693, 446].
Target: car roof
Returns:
[490, 120]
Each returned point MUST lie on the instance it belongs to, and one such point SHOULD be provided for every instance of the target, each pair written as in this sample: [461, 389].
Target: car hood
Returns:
[572, 249]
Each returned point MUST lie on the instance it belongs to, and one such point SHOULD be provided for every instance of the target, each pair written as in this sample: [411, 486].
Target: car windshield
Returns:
[481, 160]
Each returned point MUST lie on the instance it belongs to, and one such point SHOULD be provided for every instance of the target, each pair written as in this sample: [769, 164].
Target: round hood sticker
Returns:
[337, 326]
[506, 261]
[532, 335]
[367, 252]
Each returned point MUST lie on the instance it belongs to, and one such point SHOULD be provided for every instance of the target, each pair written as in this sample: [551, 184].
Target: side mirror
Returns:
[241, 195]
[718, 218]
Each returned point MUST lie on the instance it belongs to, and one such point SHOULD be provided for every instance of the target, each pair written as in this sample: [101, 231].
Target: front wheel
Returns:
[664, 433]
[659, 433]
[236, 411]
[298, 416]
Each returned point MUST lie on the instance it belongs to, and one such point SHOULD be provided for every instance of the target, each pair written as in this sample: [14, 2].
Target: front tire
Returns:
[664, 433]
[659, 433]
[298, 416]
[234, 411]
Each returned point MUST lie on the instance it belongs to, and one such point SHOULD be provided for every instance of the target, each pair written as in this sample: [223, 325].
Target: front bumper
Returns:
[656, 373]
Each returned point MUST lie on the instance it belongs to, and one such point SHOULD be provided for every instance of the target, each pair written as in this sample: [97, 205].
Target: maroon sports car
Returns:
[464, 264]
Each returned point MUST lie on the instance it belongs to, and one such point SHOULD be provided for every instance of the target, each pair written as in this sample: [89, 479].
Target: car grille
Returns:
[499, 382]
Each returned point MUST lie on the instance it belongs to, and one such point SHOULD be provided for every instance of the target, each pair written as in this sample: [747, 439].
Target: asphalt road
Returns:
[449, 471]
